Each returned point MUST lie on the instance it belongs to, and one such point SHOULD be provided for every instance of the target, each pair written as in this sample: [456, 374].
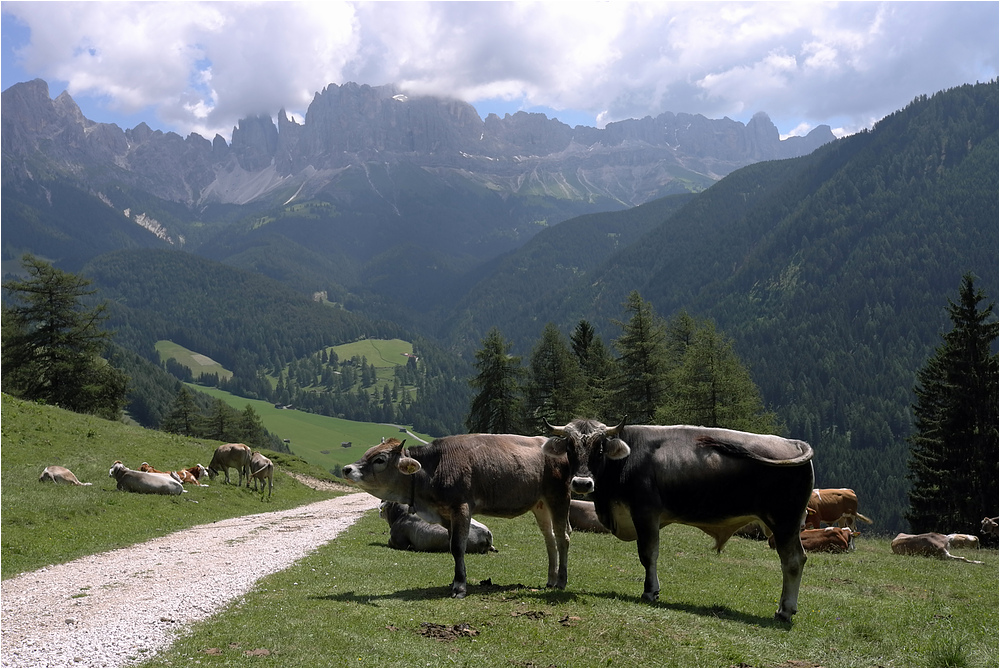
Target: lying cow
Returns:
[583, 517]
[826, 540]
[231, 455]
[58, 474]
[834, 506]
[182, 475]
[963, 541]
[930, 544]
[262, 469]
[131, 480]
[449, 480]
[408, 531]
[642, 477]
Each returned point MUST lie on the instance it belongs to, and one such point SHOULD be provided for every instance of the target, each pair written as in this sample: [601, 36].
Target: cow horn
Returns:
[613, 432]
[558, 431]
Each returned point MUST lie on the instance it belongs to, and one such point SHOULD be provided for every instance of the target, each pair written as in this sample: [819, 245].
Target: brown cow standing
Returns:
[451, 479]
[262, 469]
[833, 506]
[583, 517]
[231, 455]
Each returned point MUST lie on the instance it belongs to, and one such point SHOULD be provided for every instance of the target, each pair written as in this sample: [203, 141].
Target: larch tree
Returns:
[52, 344]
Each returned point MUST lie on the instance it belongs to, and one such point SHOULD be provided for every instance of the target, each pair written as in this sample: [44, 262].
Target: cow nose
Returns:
[582, 485]
[348, 471]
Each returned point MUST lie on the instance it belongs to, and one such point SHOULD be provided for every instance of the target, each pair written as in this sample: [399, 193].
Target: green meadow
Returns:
[196, 362]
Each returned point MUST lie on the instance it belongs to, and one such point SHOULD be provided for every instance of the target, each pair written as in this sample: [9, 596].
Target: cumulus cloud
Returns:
[202, 66]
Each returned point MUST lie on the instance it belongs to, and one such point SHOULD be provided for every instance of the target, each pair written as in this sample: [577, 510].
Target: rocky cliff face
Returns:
[631, 161]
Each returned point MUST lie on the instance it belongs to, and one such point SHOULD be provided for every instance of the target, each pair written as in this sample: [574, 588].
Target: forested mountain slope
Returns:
[830, 271]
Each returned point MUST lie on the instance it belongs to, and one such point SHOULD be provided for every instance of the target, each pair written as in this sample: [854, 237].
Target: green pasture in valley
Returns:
[314, 438]
[196, 362]
[379, 352]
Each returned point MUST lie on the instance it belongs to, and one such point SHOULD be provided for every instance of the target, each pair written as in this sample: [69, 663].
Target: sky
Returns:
[202, 66]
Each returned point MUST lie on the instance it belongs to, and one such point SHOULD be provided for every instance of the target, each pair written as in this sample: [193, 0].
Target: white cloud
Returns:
[203, 65]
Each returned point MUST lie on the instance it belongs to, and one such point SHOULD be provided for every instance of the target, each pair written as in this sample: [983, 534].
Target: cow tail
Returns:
[739, 450]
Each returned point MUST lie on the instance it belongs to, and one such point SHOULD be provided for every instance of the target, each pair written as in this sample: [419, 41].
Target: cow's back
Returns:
[501, 473]
[692, 481]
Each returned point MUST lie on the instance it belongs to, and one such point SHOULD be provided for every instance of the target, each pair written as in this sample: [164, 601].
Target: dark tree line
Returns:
[670, 372]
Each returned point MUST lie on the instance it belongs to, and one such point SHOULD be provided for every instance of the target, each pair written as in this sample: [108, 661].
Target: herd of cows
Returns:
[253, 466]
[638, 478]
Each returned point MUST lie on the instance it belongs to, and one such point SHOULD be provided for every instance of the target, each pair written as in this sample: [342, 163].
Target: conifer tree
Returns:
[496, 408]
[184, 418]
[954, 448]
[639, 385]
[556, 385]
[52, 344]
[708, 384]
[596, 362]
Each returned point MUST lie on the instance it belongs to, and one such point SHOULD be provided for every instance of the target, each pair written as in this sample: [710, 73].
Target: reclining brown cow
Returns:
[191, 475]
[58, 474]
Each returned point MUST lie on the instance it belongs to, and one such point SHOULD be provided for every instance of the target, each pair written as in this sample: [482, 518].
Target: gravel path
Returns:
[109, 610]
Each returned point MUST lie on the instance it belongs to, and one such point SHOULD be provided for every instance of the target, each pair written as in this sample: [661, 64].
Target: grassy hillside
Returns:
[357, 603]
[314, 438]
[46, 524]
[198, 363]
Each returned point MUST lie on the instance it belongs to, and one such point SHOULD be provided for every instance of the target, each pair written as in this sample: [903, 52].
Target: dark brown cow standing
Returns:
[642, 477]
[450, 479]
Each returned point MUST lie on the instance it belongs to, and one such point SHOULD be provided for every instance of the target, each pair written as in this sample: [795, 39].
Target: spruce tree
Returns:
[496, 408]
[596, 362]
[184, 418]
[52, 344]
[556, 385]
[639, 385]
[954, 448]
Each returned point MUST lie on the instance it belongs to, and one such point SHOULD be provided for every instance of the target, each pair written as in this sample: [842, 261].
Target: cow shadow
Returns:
[707, 611]
[485, 588]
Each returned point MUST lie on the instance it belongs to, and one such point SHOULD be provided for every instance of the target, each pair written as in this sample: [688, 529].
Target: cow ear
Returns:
[616, 449]
[554, 446]
[408, 466]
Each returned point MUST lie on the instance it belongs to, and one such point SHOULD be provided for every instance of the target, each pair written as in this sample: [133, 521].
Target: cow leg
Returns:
[555, 529]
[793, 559]
[458, 535]
[647, 531]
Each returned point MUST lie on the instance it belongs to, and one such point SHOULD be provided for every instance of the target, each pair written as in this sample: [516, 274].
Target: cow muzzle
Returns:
[582, 485]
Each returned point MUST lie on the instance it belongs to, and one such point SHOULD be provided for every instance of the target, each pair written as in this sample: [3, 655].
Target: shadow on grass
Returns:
[483, 589]
[707, 611]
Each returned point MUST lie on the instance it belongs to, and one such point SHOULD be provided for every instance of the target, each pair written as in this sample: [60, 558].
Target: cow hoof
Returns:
[458, 595]
[651, 596]
[782, 616]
